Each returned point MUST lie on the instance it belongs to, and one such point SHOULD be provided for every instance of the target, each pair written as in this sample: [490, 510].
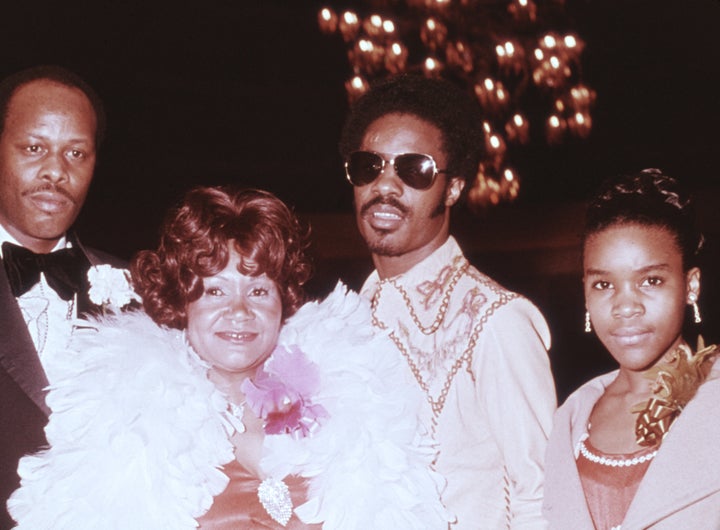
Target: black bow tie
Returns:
[64, 269]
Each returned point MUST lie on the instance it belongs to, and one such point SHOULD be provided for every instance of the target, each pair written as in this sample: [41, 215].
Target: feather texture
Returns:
[369, 463]
[138, 434]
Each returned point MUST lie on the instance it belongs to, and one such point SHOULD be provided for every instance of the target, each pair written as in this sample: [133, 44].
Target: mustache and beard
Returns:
[383, 247]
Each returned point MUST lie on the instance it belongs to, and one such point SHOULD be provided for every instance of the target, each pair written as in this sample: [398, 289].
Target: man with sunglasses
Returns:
[477, 350]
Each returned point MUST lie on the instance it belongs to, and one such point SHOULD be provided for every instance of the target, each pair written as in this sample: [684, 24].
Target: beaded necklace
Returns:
[614, 462]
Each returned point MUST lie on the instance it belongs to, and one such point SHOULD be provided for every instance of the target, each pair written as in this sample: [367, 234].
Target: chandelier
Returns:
[519, 58]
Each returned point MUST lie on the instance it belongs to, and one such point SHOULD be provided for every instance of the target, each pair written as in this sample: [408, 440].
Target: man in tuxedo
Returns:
[51, 123]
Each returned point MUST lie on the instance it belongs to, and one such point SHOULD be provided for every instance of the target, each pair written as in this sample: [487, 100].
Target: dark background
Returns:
[250, 92]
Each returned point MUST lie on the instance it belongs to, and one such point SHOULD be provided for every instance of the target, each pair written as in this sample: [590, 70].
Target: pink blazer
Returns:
[681, 489]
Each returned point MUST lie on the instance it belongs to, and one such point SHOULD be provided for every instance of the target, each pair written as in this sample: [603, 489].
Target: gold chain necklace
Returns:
[438, 404]
[440, 317]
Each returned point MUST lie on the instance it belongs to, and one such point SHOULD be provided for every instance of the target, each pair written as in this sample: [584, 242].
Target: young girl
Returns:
[638, 448]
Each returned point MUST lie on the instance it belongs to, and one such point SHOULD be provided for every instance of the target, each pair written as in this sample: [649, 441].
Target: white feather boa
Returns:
[138, 434]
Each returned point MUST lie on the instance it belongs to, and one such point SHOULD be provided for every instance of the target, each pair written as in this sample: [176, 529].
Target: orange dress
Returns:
[238, 506]
[609, 489]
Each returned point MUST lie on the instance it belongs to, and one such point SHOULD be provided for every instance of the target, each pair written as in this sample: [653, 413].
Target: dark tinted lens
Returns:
[415, 170]
[363, 167]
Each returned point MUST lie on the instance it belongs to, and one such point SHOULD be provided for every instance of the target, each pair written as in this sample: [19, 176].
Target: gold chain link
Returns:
[466, 357]
[429, 330]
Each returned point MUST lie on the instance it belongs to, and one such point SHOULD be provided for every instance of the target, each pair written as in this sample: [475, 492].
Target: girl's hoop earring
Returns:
[588, 326]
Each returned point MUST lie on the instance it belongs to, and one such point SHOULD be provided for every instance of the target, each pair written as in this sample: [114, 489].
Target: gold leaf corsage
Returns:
[676, 380]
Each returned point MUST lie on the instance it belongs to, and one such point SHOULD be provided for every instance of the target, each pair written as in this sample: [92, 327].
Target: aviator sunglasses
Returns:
[414, 169]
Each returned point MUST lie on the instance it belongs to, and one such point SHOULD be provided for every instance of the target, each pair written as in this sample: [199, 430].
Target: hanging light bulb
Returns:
[327, 20]
[349, 25]
[432, 67]
[485, 190]
[356, 87]
[523, 10]
[509, 185]
[433, 34]
[517, 129]
[580, 124]
[555, 128]
[459, 55]
[372, 26]
[396, 57]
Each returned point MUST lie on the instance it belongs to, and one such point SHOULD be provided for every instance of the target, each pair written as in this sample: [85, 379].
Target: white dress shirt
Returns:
[48, 317]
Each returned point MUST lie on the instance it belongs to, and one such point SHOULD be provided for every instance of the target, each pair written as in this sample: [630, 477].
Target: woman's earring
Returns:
[696, 310]
[588, 327]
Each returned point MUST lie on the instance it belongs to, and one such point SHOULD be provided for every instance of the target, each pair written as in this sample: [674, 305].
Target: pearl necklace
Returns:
[614, 462]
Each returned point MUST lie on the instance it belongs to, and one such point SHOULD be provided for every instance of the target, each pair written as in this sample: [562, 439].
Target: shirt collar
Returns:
[428, 267]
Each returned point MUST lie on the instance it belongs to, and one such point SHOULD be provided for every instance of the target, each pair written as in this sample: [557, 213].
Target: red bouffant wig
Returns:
[194, 245]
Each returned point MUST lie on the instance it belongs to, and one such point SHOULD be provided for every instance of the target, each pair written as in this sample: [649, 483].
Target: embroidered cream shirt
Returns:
[480, 354]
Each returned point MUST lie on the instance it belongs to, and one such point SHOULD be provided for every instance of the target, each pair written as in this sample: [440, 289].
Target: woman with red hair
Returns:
[225, 404]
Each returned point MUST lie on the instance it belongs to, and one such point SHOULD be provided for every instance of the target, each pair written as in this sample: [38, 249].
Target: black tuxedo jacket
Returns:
[23, 412]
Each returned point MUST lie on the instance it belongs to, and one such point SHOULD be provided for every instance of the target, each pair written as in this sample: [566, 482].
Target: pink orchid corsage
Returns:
[280, 393]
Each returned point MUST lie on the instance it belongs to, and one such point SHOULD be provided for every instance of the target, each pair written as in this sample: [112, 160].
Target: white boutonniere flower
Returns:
[110, 287]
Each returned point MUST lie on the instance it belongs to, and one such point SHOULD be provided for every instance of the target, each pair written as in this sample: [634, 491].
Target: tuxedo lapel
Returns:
[18, 356]
[685, 469]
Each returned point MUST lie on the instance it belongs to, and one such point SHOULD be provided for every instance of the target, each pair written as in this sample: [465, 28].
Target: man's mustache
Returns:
[49, 186]
[390, 201]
